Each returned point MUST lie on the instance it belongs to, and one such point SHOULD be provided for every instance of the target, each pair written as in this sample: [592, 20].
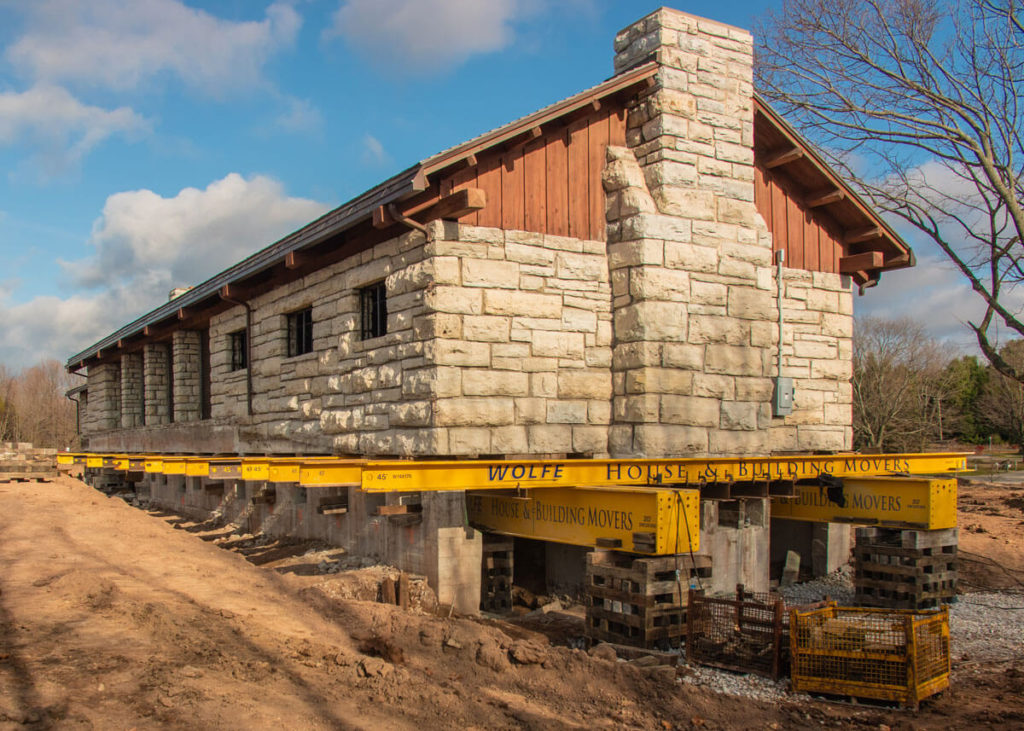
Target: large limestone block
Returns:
[523, 304]
[739, 415]
[590, 440]
[738, 442]
[465, 440]
[509, 440]
[651, 320]
[485, 382]
[584, 384]
[566, 412]
[550, 438]
[668, 440]
[461, 353]
[691, 257]
[486, 328]
[490, 273]
[750, 304]
[475, 411]
[569, 265]
[432, 382]
[718, 329]
[459, 300]
[410, 413]
[690, 410]
[659, 380]
[655, 283]
[637, 408]
[733, 360]
[552, 344]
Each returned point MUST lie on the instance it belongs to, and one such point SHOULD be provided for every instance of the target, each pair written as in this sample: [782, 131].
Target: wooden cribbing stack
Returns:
[905, 569]
[496, 574]
[640, 601]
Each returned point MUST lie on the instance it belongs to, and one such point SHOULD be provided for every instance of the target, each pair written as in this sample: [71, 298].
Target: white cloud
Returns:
[59, 125]
[374, 152]
[300, 115]
[118, 45]
[145, 244]
[422, 36]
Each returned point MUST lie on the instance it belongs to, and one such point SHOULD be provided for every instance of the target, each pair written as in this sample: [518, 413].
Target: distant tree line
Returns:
[910, 391]
[33, 407]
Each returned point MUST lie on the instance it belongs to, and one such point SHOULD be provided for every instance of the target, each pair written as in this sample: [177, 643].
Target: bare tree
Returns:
[1002, 399]
[899, 382]
[921, 98]
[33, 407]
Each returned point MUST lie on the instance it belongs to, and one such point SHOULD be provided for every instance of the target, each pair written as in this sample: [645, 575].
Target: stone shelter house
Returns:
[640, 270]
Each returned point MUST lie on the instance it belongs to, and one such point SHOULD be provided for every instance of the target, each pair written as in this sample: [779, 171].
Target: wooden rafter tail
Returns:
[861, 262]
[452, 206]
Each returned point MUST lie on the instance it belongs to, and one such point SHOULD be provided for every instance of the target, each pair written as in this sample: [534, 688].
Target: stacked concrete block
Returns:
[156, 368]
[187, 376]
[132, 405]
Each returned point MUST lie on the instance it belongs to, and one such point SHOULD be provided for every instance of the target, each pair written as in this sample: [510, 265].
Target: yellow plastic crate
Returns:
[884, 654]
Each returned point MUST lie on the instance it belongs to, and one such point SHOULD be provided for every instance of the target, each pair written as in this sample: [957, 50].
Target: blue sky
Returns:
[149, 144]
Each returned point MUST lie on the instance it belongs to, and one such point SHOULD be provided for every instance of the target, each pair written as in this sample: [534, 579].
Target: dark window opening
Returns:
[239, 350]
[300, 332]
[374, 307]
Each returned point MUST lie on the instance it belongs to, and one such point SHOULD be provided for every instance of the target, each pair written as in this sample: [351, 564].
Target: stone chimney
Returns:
[690, 258]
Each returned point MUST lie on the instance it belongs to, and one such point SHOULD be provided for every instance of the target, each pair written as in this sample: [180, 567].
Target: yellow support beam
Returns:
[648, 521]
[332, 473]
[153, 465]
[891, 502]
[197, 467]
[65, 459]
[492, 475]
[94, 461]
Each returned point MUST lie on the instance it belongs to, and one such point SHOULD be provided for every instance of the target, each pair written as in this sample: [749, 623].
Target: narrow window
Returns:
[374, 306]
[239, 351]
[300, 332]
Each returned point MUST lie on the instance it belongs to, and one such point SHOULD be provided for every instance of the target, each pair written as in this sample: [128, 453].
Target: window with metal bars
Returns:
[374, 307]
[300, 332]
[239, 351]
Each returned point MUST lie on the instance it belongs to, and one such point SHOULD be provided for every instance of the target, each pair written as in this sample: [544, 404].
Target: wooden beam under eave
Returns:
[861, 262]
[816, 200]
[454, 205]
[293, 260]
[183, 314]
[864, 234]
[233, 292]
[782, 157]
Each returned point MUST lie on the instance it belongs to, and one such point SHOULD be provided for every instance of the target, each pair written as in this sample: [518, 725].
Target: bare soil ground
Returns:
[115, 617]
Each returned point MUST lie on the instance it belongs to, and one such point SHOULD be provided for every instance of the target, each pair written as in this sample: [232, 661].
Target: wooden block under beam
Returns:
[861, 262]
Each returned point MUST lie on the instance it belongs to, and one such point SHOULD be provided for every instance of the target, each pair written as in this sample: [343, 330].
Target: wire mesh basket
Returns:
[748, 633]
[884, 654]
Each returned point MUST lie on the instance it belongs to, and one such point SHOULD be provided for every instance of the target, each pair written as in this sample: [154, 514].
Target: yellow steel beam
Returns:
[489, 475]
[121, 462]
[65, 458]
[197, 467]
[153, 464]
[225, 469]
[650, 521]
[332, 473]
[94, 460]
[174, 465]
[897, 502]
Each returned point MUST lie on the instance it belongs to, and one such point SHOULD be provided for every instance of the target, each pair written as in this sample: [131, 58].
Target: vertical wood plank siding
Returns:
[550, 185]
[809, 240]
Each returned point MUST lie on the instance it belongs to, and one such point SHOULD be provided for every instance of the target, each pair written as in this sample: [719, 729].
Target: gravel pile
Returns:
[837, 586]
[744, 686]
[987, 626]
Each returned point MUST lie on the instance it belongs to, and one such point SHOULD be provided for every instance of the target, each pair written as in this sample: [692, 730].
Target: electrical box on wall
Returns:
[782, 396]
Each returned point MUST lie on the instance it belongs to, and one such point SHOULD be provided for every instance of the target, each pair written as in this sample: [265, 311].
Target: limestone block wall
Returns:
[522, 343]
[187, 375]
[103, 408]
[817, 354]
[156, 368]
[131, 391]
[346, 396]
